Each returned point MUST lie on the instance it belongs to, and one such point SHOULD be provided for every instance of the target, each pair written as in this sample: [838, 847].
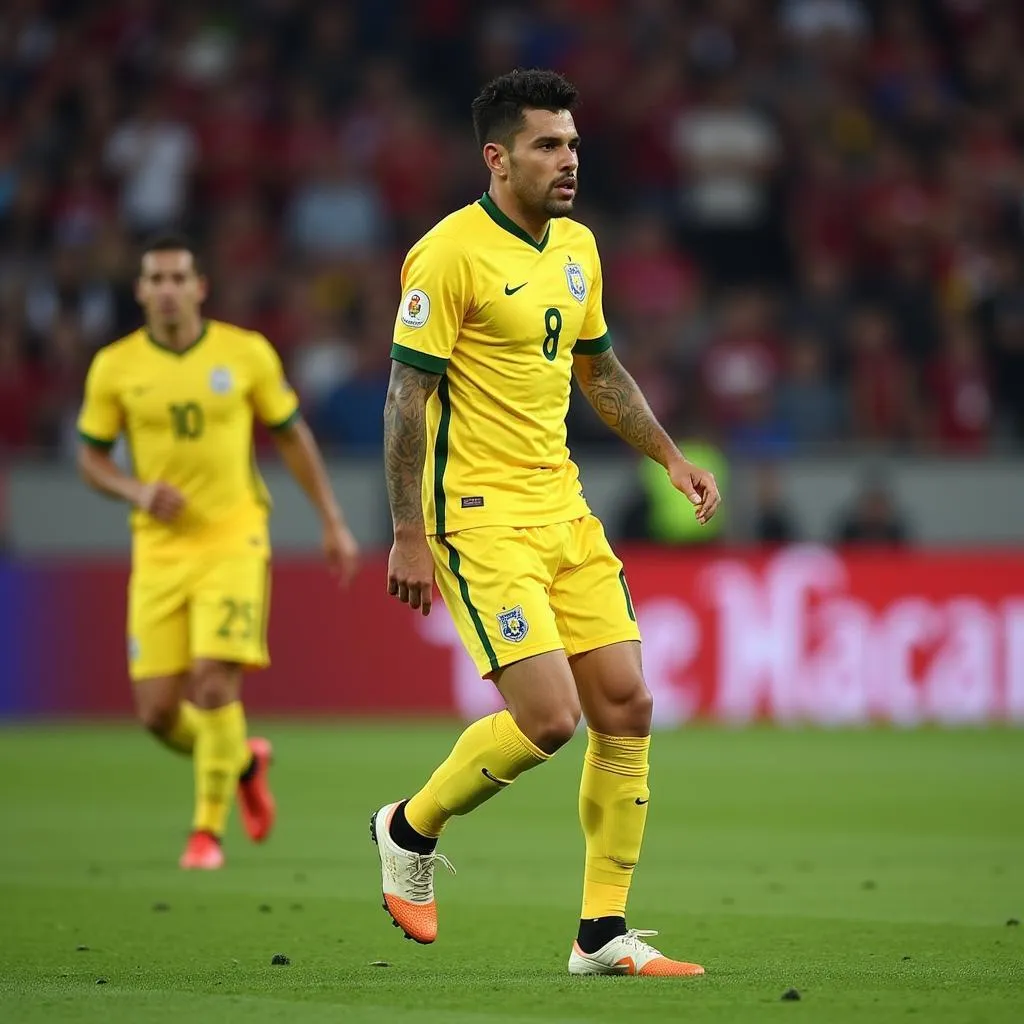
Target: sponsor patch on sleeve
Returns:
[415, 308]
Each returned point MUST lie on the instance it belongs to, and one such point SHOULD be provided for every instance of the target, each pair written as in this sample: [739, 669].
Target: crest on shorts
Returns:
[513, 624]
[220, 380]
[415, 308]
[576, 281]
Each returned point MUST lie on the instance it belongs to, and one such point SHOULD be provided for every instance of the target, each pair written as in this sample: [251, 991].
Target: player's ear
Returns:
[496, 158]
[203, 287]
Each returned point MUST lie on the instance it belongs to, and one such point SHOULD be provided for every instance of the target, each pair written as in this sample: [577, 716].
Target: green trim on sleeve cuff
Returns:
[96, 442]
[290, 420]
[594, 346]
[422, 361]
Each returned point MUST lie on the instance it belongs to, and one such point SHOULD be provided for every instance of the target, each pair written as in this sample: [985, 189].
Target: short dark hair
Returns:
[170, 241]
[498, 109]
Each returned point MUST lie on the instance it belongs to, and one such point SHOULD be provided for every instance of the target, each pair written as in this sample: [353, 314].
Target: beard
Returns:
[558, 207]
[540, 199]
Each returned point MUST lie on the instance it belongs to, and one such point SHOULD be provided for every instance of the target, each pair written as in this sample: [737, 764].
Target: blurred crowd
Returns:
[811, 212]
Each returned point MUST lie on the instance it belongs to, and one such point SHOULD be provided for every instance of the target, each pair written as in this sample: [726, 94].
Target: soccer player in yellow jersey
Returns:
[184, 392]
[501, 307]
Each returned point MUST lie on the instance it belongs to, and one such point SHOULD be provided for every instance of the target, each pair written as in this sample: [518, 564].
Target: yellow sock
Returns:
[486, 758]
[182, 736]
[220, 756]
[613, 812]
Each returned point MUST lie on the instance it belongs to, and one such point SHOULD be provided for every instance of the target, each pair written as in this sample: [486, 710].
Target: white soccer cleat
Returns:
[407, 880]
[629, 954]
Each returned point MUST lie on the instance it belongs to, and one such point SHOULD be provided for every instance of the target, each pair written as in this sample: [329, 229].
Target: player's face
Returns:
[169, 288]
[543, 162]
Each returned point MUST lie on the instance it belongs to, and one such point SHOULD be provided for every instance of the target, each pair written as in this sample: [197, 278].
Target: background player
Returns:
[501, 306]
[184, 392]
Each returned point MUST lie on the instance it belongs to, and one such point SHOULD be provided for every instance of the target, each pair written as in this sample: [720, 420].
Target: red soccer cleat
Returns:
[255, 800]
[202, 853]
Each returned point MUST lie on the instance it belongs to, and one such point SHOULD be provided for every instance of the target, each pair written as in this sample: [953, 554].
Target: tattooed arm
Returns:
[620, 403]
[410, 566]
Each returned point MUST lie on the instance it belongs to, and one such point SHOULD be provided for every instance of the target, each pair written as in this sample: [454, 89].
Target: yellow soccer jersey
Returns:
[499, 315]
[188, 420]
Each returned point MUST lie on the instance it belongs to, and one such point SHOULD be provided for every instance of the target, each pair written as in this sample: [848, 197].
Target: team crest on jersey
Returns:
[415, 308]
[220, 380]
[133, 648]
[513, 624]
[577, 282]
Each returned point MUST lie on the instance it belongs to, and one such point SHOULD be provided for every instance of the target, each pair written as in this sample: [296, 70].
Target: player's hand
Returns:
[342, 551]
[699, 486]
[411, 573]
[161, 501]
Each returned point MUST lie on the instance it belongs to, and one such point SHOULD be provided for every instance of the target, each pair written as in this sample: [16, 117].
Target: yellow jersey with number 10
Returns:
[187, 417]
[500, 316]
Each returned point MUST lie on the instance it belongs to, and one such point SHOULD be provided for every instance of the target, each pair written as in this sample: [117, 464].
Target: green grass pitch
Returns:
[876, 872]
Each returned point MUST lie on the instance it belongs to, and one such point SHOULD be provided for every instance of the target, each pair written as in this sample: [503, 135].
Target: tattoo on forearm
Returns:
[405, 439]
[621, 404]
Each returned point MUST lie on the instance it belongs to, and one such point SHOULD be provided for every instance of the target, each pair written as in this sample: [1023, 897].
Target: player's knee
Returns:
[640, 710]
[159, 718]
[628, 713]
[215, 684]
[553, 730]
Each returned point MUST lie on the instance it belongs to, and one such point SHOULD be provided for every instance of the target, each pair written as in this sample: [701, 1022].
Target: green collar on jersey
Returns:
[179, 351]
[509, 225]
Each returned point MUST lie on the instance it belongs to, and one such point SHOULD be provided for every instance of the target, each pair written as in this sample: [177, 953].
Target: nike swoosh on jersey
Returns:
[512, 291]
[640, 802]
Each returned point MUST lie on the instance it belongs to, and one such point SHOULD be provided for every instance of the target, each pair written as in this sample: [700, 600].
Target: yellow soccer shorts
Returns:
[203, 607]
[514, 592]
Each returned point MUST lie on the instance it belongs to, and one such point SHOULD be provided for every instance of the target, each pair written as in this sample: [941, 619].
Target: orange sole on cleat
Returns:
[666, 968]
[384, 899]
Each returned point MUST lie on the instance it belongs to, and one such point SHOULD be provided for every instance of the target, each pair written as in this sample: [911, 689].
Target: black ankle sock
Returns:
[250, 770]
[597, 931]
[406, 836]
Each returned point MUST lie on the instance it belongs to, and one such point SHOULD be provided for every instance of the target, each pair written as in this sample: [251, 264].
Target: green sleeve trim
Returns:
[594, 346]
[422, 361]
[290, 420]
[96, 442]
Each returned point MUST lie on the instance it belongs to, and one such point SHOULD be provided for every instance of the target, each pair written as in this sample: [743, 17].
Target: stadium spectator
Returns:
[337, 213]
[774, 522]
[873, 518]
[727, 152]
[809, 404]
[960, 389]
[154, 155]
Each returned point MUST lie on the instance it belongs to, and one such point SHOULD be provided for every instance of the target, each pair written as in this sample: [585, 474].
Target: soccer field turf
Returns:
[875, 872]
